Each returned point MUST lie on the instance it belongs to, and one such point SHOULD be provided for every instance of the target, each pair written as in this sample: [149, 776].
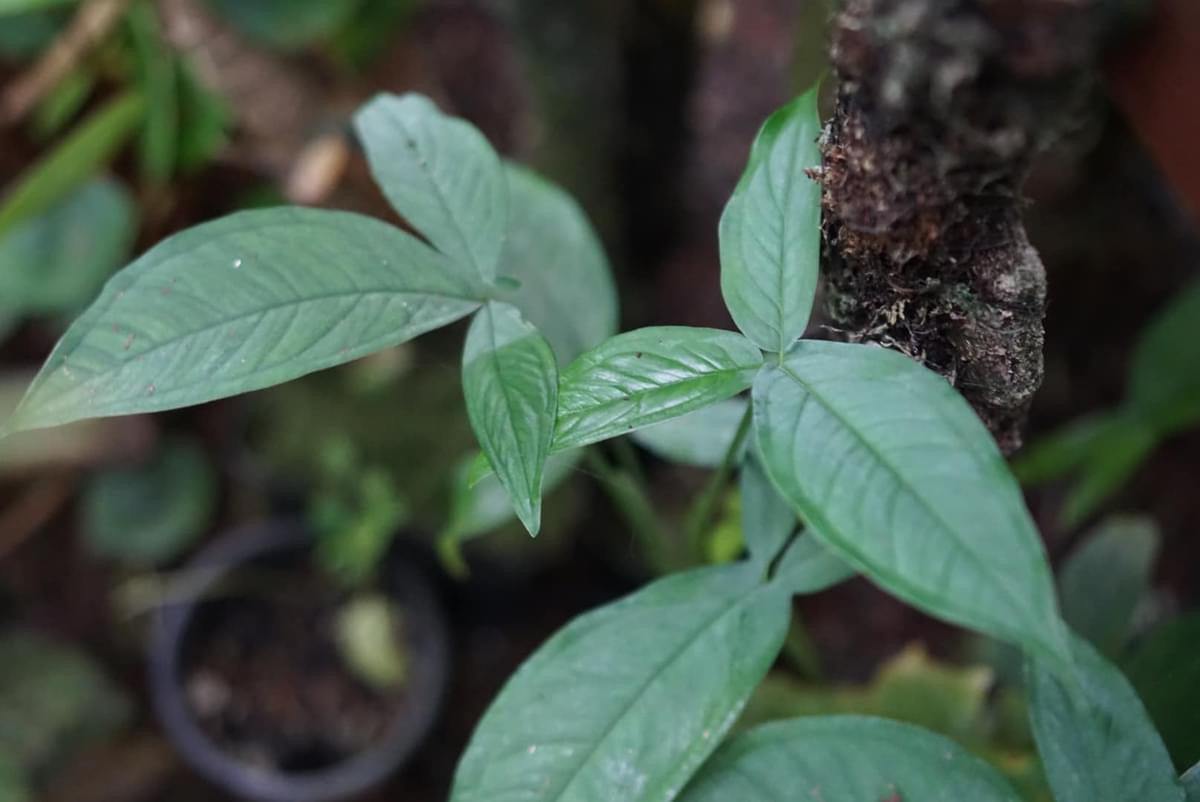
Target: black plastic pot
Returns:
[407, 585]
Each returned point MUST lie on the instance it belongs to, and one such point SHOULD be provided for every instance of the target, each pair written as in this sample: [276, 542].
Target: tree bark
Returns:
[941, 107]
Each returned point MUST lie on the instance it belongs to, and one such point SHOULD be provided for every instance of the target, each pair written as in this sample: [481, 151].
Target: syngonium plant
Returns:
[860, 460]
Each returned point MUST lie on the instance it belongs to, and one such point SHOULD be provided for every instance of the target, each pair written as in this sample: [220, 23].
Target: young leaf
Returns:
[511, 383]
[700, 438]
[809, 567]
[627, 701]
[1095, 738]
[767, 520]
[649, 375]
[890, 468]
[554, 254]
[74, 161]
[1119, 557]
[251, 300]
[770, 231]
[441, 174]
[845, 759]
[1164, 385]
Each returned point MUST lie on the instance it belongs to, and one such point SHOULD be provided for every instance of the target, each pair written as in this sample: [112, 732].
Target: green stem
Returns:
[702, 509]
[631, 501]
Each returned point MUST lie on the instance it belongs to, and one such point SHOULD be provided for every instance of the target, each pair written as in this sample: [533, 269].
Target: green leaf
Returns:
[24, 35]
[510, 380]
[1118, 557]
[1191, 783]
[809, 567]
[700, 438]
[1165, 670]
[1095, 738]
[552, 251]
[158, 81]
[479, 506]
[770, 231]
[649, 375]
[441, 174]
[627, 701]
[27, 6]
[145, 515]
[845, 759]
[286, 24]
[204, 121]
[891, 469]
[56, 262]
[63, 102]
[251, 300]
[767, 520]
[13, 786]
[1110, 465]
[1064, 450]
[88, 148]
[1164, 384]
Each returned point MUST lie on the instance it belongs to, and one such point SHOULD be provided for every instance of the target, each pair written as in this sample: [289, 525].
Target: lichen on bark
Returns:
[941, 107]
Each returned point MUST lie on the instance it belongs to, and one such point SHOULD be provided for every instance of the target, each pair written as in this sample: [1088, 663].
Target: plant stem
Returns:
[630, 499]
[702, 509]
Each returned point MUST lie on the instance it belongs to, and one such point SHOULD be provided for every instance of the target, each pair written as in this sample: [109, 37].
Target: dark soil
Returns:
[265, 679]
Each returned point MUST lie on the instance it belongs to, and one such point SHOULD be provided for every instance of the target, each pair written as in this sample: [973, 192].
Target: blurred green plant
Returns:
[146, 515]
[54, 701]
[1103, 450]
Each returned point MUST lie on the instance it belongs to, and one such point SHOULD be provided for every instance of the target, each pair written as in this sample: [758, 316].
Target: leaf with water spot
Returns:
[442, 175]
[627, 701]
[510, 380]
[242, 303]
[845, 759]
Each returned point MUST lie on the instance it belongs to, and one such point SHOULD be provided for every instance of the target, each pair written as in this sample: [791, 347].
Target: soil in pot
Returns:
[266, 680]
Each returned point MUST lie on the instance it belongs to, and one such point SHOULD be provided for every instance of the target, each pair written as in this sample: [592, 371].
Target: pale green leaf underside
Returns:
[767, 520]
[845, 759]
[627, 701]
[770, 230]
[242, 303]
[700, 438]
[441, 175]
[566, 287]
[1096, 739]
[647, 376]
[892, 470]
[510, 380]
[808, 566]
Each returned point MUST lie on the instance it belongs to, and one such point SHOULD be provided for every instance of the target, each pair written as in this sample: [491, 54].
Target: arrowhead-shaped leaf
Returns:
[251, 300]
[845, 759]
[649, 375]
[511, 383]
[770, 231]
[1095, 738]
[552, 251]
[441, 174]
[627, 701]
[890, 468]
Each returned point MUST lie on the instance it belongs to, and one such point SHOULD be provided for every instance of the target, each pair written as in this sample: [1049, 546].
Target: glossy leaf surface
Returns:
[845, 759]
[566, 286]
[1095, 738]
[441, 174]
[770, 231]
[511, 384]
[890, 468]
[627, 701]
[251, 300]
[647, 376]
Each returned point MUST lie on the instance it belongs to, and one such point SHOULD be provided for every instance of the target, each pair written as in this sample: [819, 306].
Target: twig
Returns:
[88, 28]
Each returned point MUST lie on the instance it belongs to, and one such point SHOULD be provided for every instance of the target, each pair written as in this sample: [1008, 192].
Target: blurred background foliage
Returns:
[158, 115]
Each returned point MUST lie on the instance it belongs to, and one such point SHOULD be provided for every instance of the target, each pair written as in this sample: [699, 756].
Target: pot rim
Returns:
[169, 626]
